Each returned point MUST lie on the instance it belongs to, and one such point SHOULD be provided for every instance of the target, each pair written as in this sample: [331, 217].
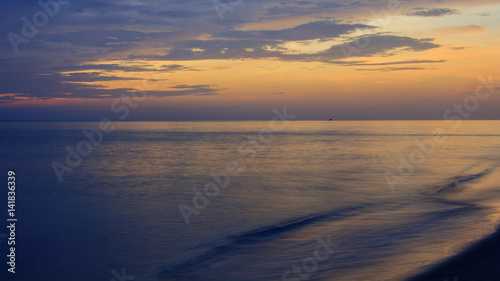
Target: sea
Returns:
[246, 200]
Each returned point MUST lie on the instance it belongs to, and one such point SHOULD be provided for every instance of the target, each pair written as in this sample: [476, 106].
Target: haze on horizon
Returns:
[237, 60]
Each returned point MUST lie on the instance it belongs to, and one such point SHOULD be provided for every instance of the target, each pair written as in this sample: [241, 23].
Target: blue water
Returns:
[119, 208]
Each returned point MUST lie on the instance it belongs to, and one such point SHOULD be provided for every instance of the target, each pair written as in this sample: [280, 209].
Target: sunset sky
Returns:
[237, 60]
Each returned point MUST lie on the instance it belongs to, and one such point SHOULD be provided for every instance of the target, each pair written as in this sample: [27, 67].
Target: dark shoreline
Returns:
[481, 262]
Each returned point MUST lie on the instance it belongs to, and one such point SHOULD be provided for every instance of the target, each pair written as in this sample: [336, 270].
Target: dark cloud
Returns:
[432, 12]
[177, 67]
[369, 45]
[219, 49]
[102, 67]
[75, 85]
[364, 46]
[308, 31]
[379, 44]
[301, 7]
[65, 58]
[112, 38]
[85, 91]
[118, 67]
[92, 77]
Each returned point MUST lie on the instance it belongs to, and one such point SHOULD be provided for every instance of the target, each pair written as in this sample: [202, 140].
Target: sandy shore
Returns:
[480, 262]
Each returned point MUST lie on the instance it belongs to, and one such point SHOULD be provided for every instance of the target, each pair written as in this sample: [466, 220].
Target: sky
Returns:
[238, 59]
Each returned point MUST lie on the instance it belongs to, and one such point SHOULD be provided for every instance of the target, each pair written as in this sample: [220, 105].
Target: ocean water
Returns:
[310, 200]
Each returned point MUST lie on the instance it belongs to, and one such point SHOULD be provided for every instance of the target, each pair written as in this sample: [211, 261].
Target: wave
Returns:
[260, 235]
[455, 183]
[247, 242]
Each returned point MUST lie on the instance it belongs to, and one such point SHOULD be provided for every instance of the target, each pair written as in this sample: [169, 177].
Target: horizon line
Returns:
[235, 120]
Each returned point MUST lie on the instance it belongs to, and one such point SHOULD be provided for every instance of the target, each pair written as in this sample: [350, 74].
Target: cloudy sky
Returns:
[238, 59]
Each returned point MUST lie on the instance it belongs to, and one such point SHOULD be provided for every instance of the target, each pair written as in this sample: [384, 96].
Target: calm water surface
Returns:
[119, 208]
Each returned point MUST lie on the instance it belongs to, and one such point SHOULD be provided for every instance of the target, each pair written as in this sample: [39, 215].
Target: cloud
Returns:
[386, 69]
[458, 48]
[81, 91]
[86, 44]
[66, 80]
[138, 67]
[307, 31]
[376, 44]
[102, 67]
[400, 62]
[301, 7]
[75, 85]
[432, 12]
[5, 98]
[92, 77]
[462, 30]
[370, 45]
[177, 67]
[186, 90]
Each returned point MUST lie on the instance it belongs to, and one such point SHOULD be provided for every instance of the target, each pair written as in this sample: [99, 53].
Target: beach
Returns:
[481, 261]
